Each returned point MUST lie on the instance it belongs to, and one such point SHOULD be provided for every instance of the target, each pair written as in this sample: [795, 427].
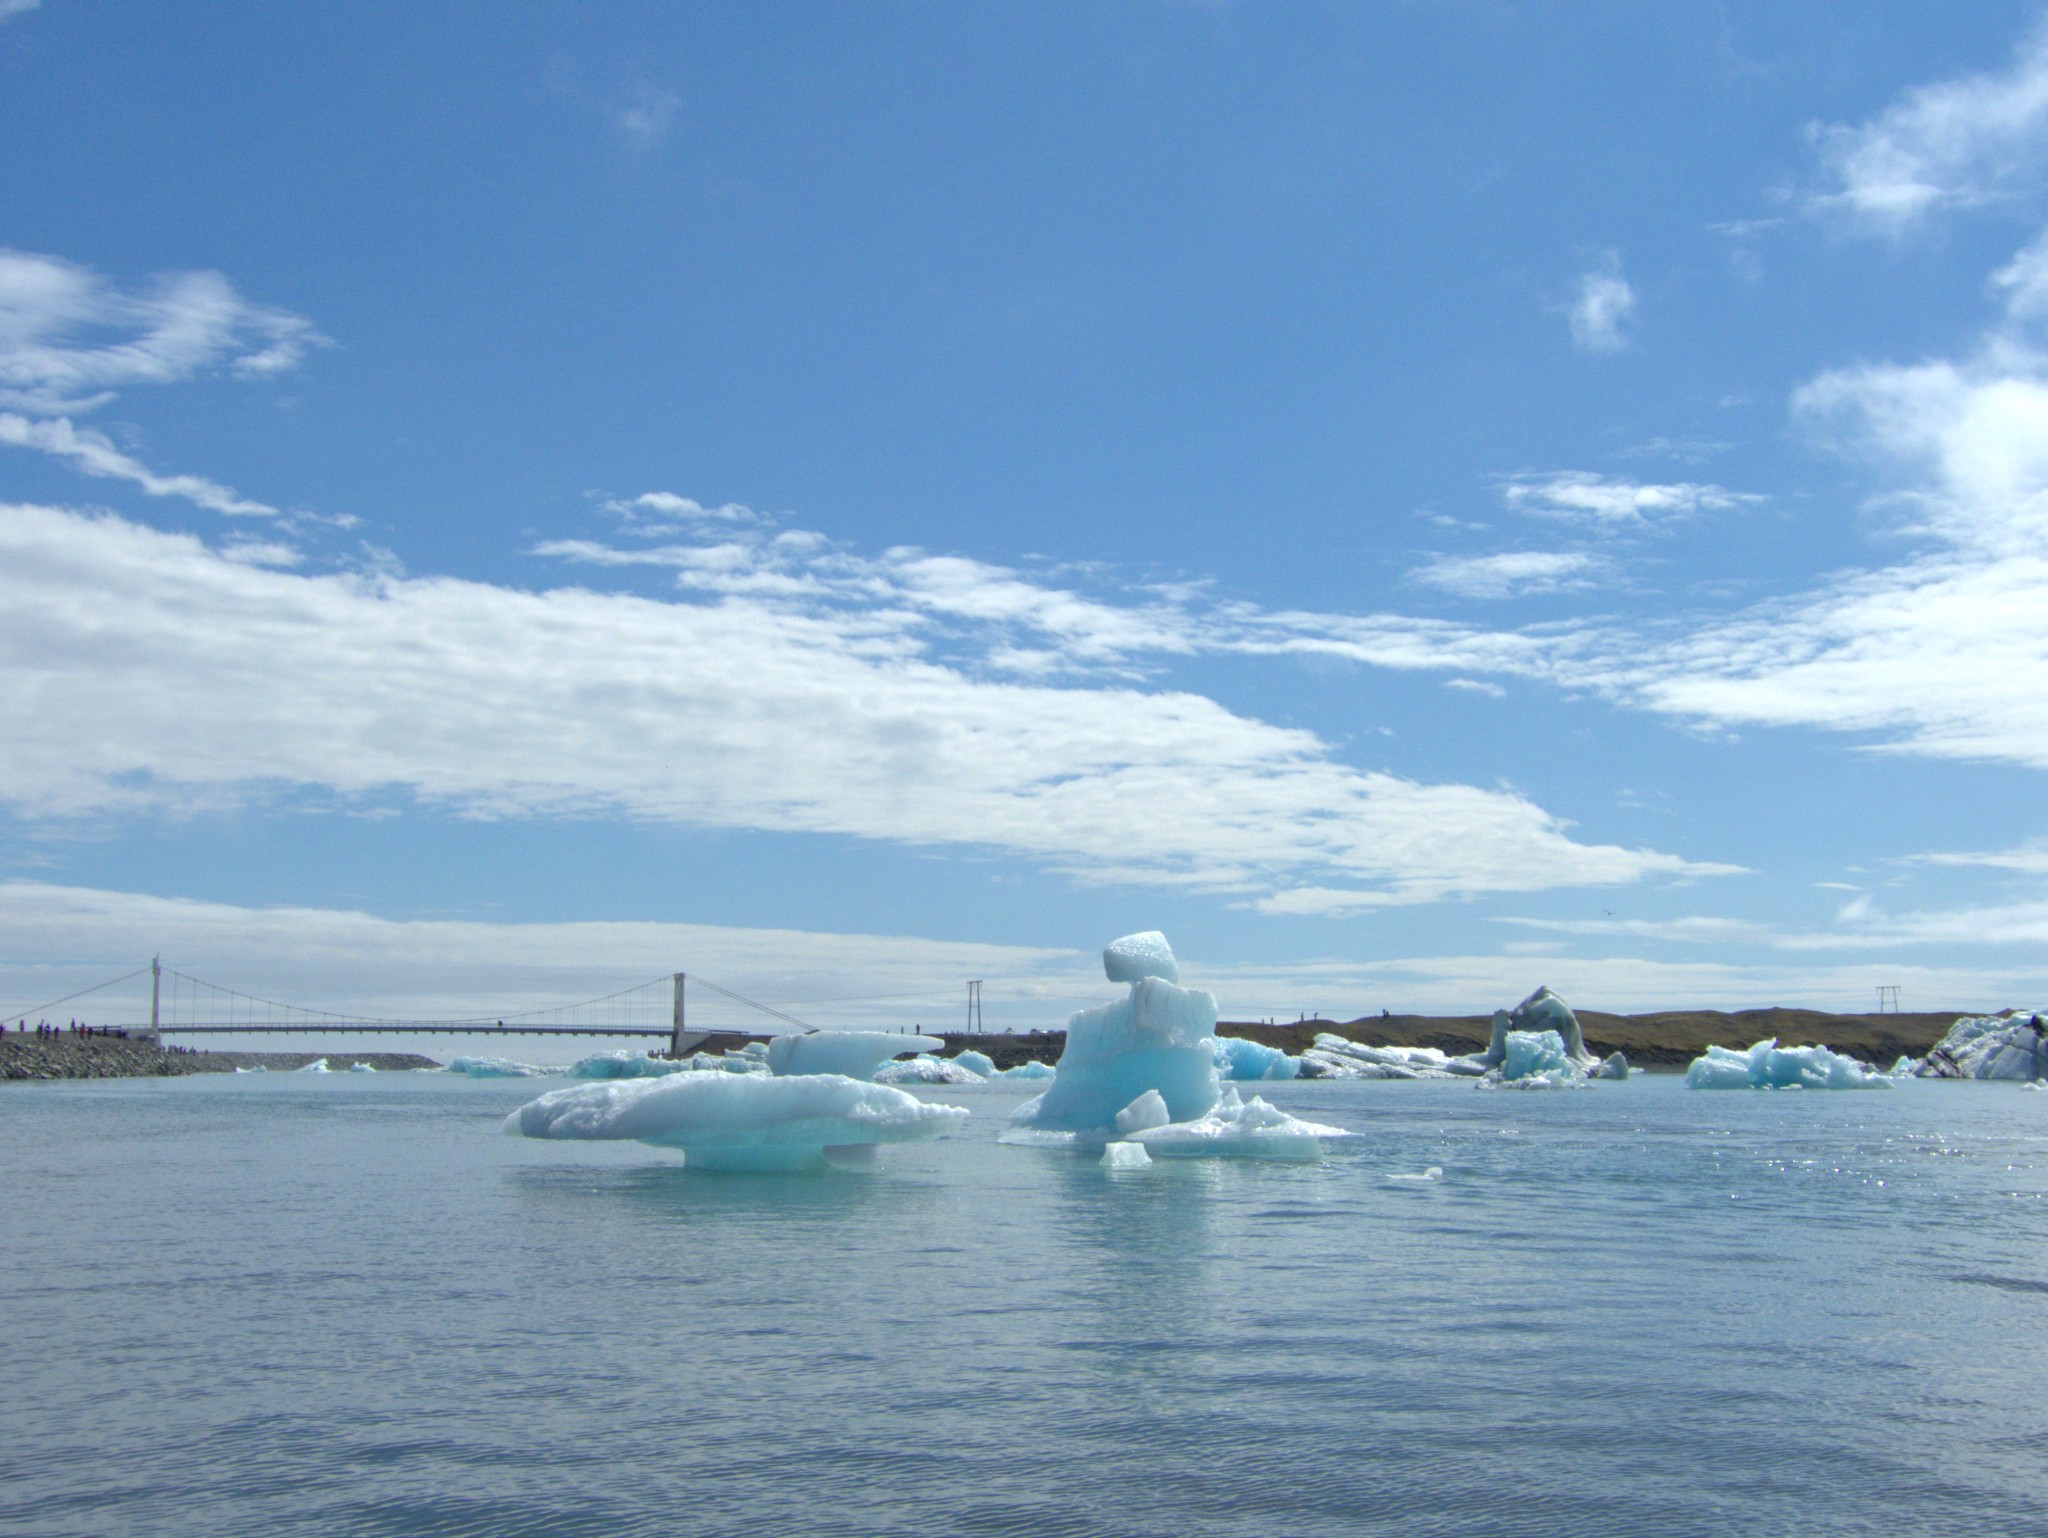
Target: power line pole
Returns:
[974, 1007]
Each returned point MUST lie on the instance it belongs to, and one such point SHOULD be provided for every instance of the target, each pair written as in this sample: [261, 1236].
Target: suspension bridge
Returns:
[183, 1005]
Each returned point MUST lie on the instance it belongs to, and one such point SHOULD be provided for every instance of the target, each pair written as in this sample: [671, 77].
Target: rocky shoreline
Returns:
[67, 1056]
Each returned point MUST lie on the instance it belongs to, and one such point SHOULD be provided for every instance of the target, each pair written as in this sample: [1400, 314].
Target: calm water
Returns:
[286, 1305]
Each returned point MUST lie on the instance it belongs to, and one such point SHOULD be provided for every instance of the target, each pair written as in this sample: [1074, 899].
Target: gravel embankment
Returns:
[65, 1056]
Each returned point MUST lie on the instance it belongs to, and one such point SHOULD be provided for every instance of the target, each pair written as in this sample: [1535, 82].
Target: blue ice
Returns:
[857, 1054]
[496, 1068]
[1155, 1038]
[1243, 1060]
[1770, 1066]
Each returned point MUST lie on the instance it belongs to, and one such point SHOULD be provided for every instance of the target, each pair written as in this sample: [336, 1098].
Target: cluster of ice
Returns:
[1246, 1061]
[856, 1054]
[2013, 1045]
[1333, 1057]
[496, 1068]
[1237, 1129]
[1156, 1038]
[739, 1122]
[1770, 1066]
[1535, 1045]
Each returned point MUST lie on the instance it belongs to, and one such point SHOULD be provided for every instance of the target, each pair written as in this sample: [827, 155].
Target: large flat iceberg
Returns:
[2008, 1046]
[738, 1121]
[1156, 1038]
[1770, 1066]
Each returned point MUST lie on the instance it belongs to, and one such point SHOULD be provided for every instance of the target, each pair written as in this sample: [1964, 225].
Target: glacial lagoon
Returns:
[348, 1304]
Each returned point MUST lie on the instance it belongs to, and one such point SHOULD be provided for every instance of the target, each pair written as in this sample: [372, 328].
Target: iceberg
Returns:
[1156, 1038]
[318, 1065]
[925, 1069]
[624, 1065]
[978, 1063]
[1770, 1066]
[259, 1068]
[1334, 1057]
[1541, 1011]
[1032, 1069]
[738, 1122]
[1238, 1129]
[856, 1054]
[2007, 1046]
[495, 1068]
[1537, 1060]
[1245, 1060]
[360, 1068]
[1536, 1044]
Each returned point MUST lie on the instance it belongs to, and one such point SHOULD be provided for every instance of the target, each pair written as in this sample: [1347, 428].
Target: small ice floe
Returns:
[980, 1064]
[926, 1069]
[739, 1121]
[1238, 1129]
[495, 1068]
[1333, 1057]
[1770, 1066]
[318, 1065]
[2013, 1045]
[1429, 1177]
[857, 1054]
[258, 1068]
[1125, 1156]
[1032, 1069]
[361, 1068]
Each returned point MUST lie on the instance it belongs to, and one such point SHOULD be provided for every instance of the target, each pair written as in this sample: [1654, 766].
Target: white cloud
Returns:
[1860, 925]
[353, 962]
[68, 338]
[1601, 310]
[1579, 496]
[93, 453]
[2024, 281]
[1956, 143]
[160, 672]
[644, 120]
[9, 9]
[2030, 858]
[1511, 574]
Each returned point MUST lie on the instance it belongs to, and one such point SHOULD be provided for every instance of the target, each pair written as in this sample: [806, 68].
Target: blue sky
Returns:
[1416, 500]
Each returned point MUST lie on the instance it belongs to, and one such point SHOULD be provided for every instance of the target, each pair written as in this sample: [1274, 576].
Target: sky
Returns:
[1414, 500]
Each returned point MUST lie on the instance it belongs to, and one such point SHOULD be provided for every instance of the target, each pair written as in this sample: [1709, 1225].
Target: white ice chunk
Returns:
[1125, 1156]
[1428, 1177]
[977, 1063]
[1334, 1057]
[925, 1069]
[259, 1068]
[361, 1068]
[857, 1054]
[1157, 1038]
[1136, 957]
[1148, 1110]
[1535, 1060]
[2008, 1046]
[318, 1065]
[727, 1121]
[1235, 1129]
[1770, 1066]
[1032, 1069]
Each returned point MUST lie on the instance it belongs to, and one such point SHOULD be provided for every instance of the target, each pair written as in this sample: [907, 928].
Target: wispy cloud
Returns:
[1953, 144]
[1578, 496]
[1601, 310]
[1511, 574]
[9, 9]
[2030, 858]
[646, 115]
[69, 341]
[94, 454]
